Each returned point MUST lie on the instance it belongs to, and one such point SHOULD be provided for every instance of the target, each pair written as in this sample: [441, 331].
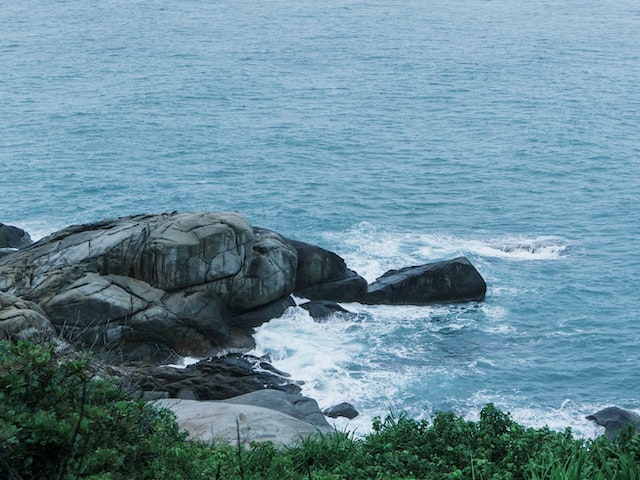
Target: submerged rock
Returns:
[321, 310]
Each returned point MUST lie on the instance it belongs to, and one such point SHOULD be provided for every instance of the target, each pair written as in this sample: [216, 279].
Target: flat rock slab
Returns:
[215, 421]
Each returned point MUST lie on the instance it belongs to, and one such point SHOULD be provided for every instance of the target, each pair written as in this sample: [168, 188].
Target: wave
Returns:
[371, 250]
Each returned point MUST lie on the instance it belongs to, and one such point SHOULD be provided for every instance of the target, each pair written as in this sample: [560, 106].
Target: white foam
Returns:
[372, 251]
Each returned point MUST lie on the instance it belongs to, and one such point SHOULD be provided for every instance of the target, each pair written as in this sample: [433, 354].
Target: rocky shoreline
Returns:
[142, 291]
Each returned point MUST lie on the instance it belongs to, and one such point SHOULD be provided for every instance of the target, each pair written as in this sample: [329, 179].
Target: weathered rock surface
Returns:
[22, 320]
[225, 422]
[450, 281]
[152, 288]
[216, 378]
[614, 419]
[323, 275]
[13, 237]
[153, 284]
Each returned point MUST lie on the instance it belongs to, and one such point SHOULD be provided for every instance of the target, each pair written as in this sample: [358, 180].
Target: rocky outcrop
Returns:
[614, 419]
[450, 281]
[321, 310]
[150, 285]
[143, 290]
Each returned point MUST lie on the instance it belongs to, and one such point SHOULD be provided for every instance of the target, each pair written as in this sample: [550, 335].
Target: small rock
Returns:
[343, 409]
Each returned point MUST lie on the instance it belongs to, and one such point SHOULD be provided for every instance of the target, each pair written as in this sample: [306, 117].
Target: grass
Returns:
[58, 423]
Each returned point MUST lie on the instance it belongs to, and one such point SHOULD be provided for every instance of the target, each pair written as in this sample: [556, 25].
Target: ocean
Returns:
[392, 132]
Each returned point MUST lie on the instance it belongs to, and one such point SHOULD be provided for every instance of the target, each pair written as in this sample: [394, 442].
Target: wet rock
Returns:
[614, 419]
[13, 237]
[323, 275]
[321, 310]
[343, 409]
[449, 281]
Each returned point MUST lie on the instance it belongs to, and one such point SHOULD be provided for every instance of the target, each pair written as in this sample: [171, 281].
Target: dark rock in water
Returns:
[614, 419]
[348, 289]
[450, 281]
[257, 316]
[343, 409]
[323, 275]
[293, 404]
[216, 378]
[322, 309]
[13, 237]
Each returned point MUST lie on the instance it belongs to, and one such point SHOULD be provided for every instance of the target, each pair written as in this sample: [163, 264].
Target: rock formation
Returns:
[150, 288]
[450, 281]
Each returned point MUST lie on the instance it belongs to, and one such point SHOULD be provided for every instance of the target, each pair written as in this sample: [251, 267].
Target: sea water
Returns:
[392, 132]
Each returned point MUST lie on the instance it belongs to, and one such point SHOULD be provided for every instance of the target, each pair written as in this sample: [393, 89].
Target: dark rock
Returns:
[614, 419]
[293, 404]
[13, 237]
[449, 281]
[343, 409]
[323, 309]
[348, 289]
[4, 251]
[215, 378]
[257, 316]
[323, 275]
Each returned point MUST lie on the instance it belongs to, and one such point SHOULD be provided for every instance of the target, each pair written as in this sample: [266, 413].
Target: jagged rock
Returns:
[321, 310]
[215, 378]
[343, 409]
[13, 237]
[323, 275]
[614, 419]
[450, 281]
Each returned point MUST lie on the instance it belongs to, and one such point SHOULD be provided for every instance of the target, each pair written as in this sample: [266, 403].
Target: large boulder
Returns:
[239, 424]
[153, 285]
[13, 237]
[614, 419]
[449, 281]
[323, 275]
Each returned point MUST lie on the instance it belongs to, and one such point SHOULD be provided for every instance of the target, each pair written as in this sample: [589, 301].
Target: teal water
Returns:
[392, 132]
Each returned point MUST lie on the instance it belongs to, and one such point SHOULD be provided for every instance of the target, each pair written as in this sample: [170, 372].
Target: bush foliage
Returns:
[56, 422]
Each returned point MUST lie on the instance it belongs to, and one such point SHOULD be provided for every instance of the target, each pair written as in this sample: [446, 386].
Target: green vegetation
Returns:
[57, 423]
